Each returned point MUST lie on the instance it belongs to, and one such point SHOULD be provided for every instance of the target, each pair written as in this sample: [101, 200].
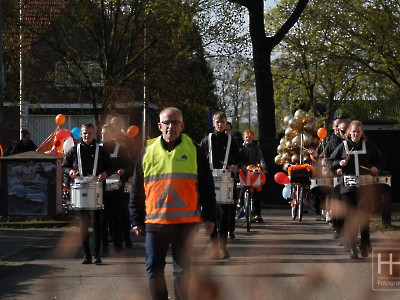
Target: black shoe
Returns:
[335, 235]
[128, 242]
[365, 248]
[353, 253]
[97, 259]
[231, 235]
[259, 219]
[87, 260]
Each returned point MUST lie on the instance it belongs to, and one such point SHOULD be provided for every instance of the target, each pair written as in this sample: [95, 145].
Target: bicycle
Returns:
[300, 186]
[253, 178]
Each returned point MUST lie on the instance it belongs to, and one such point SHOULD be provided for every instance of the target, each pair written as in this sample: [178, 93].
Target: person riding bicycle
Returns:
[252, 152]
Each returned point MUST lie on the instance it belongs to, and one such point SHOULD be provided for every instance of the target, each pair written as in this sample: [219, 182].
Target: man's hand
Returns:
[233, 168]
[339, 172]
[374, 170]
[209, 227]
[121, 172]
[73, 174]
[138, 230]
[102, 176]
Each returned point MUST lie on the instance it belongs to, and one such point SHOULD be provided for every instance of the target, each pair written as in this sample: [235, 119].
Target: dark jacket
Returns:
[219, 142]
[123, 159]
[253, 155]
[20, 147]
[206, 191]
[87, 155]
[373, 157]
[329, 145]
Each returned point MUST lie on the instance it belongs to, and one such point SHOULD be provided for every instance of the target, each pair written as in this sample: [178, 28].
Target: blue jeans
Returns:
[180, 237]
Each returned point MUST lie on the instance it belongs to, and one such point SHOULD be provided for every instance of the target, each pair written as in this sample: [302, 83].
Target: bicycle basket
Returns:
[300, 176]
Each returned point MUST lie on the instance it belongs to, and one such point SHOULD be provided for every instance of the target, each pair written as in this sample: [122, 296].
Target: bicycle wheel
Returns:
[248, 209]
[301, 203]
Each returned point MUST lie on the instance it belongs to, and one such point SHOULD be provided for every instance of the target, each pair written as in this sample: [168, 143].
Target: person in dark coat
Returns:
[90, 159]
[25, 144]
[354, 160]
[218, 152]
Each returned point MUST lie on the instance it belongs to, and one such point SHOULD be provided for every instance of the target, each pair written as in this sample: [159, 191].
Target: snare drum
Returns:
[322, 186]
[336, 184]
[387, 180]
[365, 180]
[357, 181]
[350, 180]
[384, 183]
[113, 183]
[87, 195]
[223, 182]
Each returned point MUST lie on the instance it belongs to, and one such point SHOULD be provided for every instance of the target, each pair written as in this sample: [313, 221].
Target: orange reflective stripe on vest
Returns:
[171, 183]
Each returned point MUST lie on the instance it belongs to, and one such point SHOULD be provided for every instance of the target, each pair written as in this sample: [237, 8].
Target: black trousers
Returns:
[360, 203]
[95, 218]
[222, 226]
[113, 217]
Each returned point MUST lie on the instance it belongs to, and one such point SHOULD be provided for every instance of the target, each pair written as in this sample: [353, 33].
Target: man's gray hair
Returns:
[171, 109]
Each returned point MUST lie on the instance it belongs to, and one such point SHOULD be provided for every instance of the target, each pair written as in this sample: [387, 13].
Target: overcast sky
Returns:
[269, 3]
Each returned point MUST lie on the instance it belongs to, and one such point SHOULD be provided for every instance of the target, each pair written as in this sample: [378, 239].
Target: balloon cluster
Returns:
[300, 128]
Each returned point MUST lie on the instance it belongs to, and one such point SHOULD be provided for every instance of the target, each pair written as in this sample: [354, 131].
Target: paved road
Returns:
[279, 259]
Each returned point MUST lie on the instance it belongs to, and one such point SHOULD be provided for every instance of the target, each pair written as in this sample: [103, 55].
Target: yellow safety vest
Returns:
[170, 183]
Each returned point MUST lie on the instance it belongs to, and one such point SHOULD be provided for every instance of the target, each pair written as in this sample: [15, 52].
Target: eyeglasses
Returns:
[168, 123]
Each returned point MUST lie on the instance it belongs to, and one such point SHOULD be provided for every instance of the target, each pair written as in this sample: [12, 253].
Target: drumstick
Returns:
[228, 166]
[348, 155]
[365, 168]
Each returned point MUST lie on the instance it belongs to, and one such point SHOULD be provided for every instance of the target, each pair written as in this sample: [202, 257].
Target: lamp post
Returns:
[23, 109]
[1, 74]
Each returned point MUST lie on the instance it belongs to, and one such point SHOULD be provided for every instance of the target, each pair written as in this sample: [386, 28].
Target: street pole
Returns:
[23, 109]
[1, 74]
[145, 104]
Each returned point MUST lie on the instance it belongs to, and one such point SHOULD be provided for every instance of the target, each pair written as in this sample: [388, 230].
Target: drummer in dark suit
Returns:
[113, 205]
[353, 158]
[88, 158]
[129, 156]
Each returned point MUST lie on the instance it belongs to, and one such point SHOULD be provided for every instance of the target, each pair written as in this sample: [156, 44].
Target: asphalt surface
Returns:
[278, 259]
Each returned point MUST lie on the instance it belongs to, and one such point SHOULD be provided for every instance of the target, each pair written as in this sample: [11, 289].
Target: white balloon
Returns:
[68, 144]
[287, 191]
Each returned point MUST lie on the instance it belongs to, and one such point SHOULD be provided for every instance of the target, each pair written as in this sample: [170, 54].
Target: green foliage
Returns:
[128, 39]
[341, 57]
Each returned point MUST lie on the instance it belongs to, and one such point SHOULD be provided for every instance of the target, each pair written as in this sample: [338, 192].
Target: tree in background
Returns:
[326, 65]
[104, 48]
[262, 49]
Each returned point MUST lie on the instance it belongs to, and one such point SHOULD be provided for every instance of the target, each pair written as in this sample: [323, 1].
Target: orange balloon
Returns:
[322, 133]
[60, 119]
[132, 131]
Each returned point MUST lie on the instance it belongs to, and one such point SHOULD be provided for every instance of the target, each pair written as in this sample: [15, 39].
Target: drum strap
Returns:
[228, 147]
[96, 159]
[355, 153]
[115, 154]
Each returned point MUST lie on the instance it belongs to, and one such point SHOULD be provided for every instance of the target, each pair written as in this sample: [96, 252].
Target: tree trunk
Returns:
[262, 49]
